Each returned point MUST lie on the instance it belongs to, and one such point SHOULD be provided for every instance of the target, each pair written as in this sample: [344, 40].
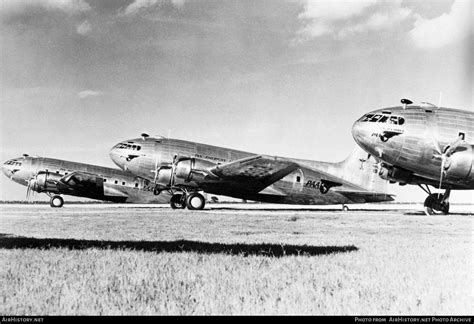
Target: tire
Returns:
[432, 207]
[195, 201]
[56, 202]
[177, 202]
[345, 208]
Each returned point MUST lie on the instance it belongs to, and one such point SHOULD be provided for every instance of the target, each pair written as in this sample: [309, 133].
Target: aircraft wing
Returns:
[256, 172]
[80, 182]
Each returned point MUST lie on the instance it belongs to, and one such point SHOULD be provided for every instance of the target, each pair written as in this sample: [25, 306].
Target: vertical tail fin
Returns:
[358, 168]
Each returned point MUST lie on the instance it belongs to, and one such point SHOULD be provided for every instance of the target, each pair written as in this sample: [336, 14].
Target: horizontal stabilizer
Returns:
[271, 190]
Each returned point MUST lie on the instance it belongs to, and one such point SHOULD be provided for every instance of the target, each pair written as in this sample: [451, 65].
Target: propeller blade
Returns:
[28, 190]
[450, 149]
[443, 163]
[156, 169]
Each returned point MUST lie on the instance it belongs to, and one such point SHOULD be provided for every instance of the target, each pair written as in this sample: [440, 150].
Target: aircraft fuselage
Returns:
[416, 139]
[153, 159]
[56, 177]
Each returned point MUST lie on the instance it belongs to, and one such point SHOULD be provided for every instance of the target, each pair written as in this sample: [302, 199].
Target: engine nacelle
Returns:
[45, 181]
[189, 169]
[163, 177]
[460, 164]
[395, 174]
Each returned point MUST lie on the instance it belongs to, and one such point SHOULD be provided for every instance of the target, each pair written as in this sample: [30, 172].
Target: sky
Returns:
[285, 78]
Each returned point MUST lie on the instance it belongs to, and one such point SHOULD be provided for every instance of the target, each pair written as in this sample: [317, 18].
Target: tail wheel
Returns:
[195, 201]
[177, 201]
[345, 208]
[56, 202]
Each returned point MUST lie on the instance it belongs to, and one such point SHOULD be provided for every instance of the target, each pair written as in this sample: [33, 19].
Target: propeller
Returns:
[31, 183]
[32, 180]
[449, 150]
[156, 169]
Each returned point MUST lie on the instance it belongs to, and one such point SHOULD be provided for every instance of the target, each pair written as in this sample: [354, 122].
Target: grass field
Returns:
[139, 261]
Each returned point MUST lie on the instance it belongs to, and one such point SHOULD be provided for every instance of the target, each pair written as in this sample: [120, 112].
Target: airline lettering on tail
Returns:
[313, 184]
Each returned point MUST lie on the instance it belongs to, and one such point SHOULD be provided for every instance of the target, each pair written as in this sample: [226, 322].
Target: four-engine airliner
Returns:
[55, 177]
[185, 169]
[421, 144]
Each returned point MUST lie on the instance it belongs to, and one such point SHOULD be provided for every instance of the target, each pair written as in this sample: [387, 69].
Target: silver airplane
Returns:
[421, 144]
[184, 169]
[55, 177]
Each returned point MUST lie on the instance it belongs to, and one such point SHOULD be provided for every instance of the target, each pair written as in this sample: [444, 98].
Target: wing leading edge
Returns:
[255, 173]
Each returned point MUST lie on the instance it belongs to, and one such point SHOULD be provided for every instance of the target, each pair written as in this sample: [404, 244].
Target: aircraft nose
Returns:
[358, 132]
[361, 133]
[5, 169]
[115, 156]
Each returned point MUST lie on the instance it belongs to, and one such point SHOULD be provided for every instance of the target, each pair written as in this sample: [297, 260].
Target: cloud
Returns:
[340, 19]
[444, 29]
[334, 10]
[84, 28]
[139, 5]
[322, 17]
[377, 21]
[89, 94]
[14, 8]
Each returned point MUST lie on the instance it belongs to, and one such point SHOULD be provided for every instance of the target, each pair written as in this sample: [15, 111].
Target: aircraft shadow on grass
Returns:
[270, 250]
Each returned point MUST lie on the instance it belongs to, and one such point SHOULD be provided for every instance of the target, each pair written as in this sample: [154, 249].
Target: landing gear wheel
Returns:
[435, 203]
[345, 208]
[195, 201]
[56, 202]
[156, 191]
[177, 201]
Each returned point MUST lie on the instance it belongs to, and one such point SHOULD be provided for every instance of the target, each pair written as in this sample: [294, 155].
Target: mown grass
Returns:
[145, 261]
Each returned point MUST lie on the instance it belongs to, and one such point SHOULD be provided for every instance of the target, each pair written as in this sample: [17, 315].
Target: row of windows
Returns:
[377, 118]
[13, 162]
[123, 183]
[128, 146]
[105, 180]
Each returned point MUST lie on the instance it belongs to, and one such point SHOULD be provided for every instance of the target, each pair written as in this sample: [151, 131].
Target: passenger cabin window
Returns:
[116, 181]
[105, 180]
[136, 185]
[123, 183]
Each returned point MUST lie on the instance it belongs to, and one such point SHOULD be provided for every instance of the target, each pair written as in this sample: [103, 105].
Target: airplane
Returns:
[55, 177]
[421, 144]
[184, 169]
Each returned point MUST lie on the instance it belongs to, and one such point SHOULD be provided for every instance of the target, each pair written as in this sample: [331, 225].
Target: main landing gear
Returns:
[56, 201]
[192, 200]
[435, 202]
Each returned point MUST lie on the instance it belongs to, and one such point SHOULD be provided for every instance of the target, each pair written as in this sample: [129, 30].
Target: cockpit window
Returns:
[128, 146]
[378, 118]
[383, 119]
[366, 117]
[13, 162]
